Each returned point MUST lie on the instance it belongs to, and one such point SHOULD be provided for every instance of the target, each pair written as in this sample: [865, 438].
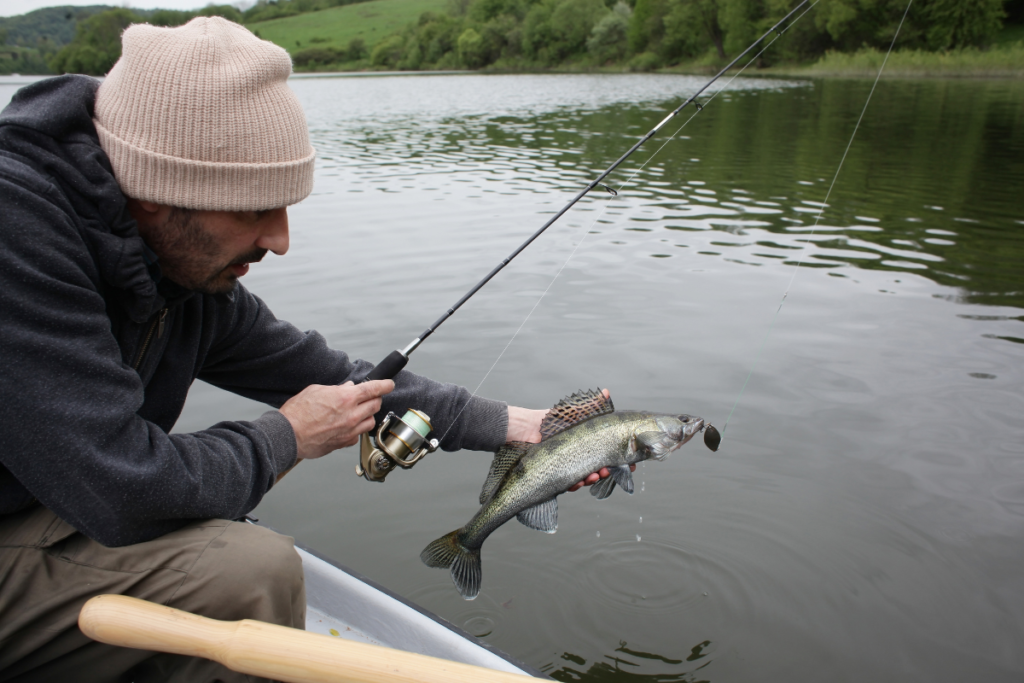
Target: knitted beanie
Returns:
[201, 117]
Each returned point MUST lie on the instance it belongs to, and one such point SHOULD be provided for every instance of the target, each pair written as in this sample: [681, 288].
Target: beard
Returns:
[190, 255]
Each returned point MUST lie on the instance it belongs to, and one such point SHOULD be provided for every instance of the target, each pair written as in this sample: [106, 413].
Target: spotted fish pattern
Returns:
[580, 435]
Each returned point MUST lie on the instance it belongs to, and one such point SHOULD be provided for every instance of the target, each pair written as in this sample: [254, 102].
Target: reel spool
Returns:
[398, 442]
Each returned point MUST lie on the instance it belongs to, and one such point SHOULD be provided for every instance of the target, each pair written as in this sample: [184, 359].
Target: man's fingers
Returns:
[366, 425]
[374, 389]
[595, 477]
[365, 411]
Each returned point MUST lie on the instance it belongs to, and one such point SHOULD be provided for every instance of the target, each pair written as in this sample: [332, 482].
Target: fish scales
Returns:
[554, 465]
[585, 435]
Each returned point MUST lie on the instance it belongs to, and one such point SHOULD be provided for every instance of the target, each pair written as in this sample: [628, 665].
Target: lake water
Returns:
[864, 518]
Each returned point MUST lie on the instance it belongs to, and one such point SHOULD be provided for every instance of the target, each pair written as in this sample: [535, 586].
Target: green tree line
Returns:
[88, 39]
[97, 42]
[648, 34]
[541, 34]
[27, 41]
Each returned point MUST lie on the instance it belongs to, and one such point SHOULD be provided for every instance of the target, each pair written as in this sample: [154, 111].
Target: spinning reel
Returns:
[398, 442]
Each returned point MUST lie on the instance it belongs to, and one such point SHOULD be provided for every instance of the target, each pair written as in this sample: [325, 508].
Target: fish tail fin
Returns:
[464, 562]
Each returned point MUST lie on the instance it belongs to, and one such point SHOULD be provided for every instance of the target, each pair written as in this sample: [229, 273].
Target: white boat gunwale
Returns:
[419, 630]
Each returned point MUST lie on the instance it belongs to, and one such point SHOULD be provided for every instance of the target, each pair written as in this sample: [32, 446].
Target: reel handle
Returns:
[389, 367]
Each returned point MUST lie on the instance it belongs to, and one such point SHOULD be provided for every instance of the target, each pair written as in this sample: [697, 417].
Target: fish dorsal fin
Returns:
[572, 410]
[504, 458]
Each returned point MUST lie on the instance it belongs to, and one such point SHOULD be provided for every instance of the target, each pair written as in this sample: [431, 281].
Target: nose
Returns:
[274, 231]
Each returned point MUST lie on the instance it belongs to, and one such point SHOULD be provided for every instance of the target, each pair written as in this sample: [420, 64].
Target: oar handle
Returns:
[268, 650]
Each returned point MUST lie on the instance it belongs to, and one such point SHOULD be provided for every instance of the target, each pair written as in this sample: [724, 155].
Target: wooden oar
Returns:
[261, 649]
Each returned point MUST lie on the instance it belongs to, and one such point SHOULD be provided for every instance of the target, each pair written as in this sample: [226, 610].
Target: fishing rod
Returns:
[404, 441]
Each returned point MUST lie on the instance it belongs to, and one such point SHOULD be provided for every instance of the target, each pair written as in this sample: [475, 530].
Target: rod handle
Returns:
[389, 367]
[260, 649]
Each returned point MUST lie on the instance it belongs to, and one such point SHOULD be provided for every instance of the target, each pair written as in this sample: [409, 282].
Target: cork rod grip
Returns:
[268, 650]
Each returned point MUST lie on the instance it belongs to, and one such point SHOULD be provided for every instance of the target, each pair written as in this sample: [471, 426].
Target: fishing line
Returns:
[628, 181]
[817, 218]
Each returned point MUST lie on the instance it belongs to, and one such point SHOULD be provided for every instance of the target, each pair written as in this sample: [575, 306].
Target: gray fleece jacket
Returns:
[97, 351]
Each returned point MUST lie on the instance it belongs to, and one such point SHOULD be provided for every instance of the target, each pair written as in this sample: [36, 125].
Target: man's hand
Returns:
[524, 425]
[602, 473]
[325, 418]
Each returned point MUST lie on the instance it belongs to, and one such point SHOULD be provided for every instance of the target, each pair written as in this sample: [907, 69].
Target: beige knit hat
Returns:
[201, 117]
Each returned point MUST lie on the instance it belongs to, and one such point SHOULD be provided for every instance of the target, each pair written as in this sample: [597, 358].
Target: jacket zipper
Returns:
[157, 326]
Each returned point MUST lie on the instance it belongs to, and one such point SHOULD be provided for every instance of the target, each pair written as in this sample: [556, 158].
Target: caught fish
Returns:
[580, 435]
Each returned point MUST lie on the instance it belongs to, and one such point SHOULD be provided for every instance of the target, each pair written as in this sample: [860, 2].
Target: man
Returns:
[128, 212]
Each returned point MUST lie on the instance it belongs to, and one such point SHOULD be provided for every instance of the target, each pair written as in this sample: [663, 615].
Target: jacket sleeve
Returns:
[269, 360]
[70, 432]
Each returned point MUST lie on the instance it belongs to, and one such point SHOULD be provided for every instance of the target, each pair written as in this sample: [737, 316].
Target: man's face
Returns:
[207, 251]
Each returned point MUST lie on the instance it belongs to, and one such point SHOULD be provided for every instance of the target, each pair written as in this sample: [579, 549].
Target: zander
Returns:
[580, 435]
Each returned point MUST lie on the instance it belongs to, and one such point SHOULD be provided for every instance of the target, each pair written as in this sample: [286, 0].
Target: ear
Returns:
[148, 214]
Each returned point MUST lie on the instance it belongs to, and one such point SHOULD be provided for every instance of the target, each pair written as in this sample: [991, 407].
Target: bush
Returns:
[356, 50]
[313, 56]
[97, 44]
[538, 32]
[472, 51]
[573, 21]
[226, 11]
[608, 40]
[23, 60]
[957, 24]
[645, 61]
[388, 52]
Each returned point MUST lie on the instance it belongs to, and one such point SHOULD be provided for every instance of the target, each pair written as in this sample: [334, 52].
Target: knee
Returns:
[249, 572]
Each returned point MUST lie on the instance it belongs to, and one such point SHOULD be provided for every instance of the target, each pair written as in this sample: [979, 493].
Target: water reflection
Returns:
[765, 171]
[628, 665]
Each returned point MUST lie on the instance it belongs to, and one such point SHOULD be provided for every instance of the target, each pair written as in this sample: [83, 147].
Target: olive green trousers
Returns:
[216, 568]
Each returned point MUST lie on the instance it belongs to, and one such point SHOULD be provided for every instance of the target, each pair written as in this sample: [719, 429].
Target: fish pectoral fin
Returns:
[603, 488]
[654, 444]
[542, 516]
[623, 477]
[504, 458]
[572, 410]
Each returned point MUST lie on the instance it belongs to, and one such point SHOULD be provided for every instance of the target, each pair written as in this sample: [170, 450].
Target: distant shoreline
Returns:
[1004, 62]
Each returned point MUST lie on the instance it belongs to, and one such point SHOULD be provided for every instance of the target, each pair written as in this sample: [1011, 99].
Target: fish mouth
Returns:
[692, 428]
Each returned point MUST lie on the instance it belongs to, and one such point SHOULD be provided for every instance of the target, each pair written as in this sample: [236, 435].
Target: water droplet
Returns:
[638, 538]
[599, 533]
[641, 519]
[642, 487]
[704, 593]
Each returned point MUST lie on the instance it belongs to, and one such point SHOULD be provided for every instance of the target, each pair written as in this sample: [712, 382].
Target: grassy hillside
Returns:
[336, 27]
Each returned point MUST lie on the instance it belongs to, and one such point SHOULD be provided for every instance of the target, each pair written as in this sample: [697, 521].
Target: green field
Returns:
[335, 27]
